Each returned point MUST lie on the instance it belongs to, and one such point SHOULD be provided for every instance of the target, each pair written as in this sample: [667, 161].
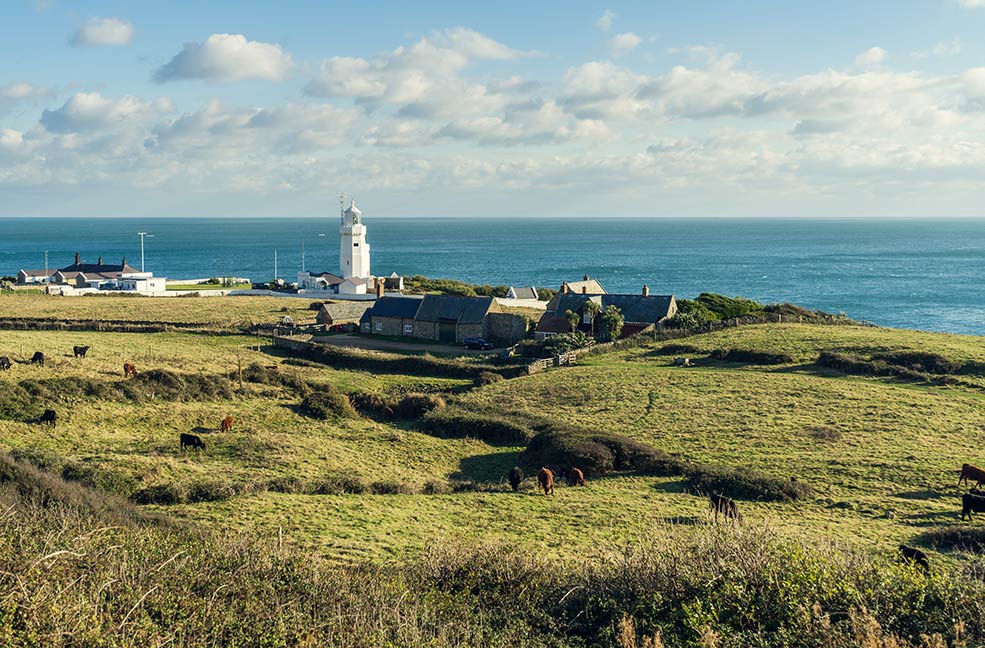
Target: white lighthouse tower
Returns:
[353, 248]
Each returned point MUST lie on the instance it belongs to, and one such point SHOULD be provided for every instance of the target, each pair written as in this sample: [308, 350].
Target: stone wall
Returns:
[504, 327]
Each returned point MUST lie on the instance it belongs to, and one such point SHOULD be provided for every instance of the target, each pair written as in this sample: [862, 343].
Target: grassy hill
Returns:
[877, 456]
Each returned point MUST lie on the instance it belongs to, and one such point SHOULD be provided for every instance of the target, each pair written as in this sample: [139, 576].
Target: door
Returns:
[446, 330]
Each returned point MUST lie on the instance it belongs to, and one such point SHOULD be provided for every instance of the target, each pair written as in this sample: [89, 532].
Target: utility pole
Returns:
[275, 266]
[46, 264]
[302, 255]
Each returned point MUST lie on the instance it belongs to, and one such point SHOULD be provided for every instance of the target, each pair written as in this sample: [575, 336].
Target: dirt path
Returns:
[367, 342]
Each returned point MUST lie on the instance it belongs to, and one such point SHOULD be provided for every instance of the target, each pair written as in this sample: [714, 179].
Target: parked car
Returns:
[477, 343]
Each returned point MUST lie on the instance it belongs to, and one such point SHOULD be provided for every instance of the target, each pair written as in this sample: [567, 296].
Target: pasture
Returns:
[880, 456]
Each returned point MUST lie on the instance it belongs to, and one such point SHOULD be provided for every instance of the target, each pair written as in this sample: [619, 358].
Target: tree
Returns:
[592, 308]
[572, 318]
[613, 320]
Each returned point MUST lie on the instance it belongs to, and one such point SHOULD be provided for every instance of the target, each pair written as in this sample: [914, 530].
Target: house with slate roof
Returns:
[98, 276]
[640, 311]
[442, 318]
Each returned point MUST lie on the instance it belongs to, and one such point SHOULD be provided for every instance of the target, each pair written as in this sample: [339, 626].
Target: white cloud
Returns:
[972, 3]
[621, 44]
[226, 57]
[19, 92]
[605, 21]
[87, 111]
[871, 56]
[103, 31]
[941, 49]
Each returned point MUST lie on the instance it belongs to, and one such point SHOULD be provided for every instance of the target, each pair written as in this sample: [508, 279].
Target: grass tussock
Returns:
[748, 356]
[327, 405]
[741, 483]
[596, 453]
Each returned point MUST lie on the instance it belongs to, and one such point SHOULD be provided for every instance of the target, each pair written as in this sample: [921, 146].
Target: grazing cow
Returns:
[50, 417]
[129, 371]
[724, 505]
[226, 425]
[516, 476]
[546, 480]
[969, 472]
[191, 440]
[4, 363]
[913, 555]
[576, 477]
[80, 351]
[681, 361]
[37, 358]
[971, 503]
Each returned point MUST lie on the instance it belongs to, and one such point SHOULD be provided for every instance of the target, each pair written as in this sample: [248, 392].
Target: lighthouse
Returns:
[353, 248]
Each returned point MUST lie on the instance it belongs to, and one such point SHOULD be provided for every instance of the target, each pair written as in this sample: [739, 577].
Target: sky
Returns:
[651, 109]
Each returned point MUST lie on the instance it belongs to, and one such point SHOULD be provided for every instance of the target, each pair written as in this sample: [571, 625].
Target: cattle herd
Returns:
[971, 502]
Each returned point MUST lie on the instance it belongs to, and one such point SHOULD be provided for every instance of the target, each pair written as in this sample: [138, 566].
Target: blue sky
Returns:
[245, 109]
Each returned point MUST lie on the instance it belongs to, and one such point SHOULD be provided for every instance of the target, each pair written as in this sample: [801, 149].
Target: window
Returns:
[408, 328]
[379, 326]
[586, 318]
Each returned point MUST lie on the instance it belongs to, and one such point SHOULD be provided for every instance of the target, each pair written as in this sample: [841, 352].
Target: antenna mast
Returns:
[342, 208]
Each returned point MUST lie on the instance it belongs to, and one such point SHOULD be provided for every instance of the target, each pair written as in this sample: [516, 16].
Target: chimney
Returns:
[78, 259]
[586, 277]
[124, 262]
[646, 290]
[99, 261]
[564, 288]
[380, 287]
[584, 290]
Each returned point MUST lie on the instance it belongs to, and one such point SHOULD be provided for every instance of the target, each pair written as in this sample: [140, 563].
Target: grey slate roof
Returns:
[404, 307]
[342, 310]
[522, 292]
[464, 310]
[635, 309]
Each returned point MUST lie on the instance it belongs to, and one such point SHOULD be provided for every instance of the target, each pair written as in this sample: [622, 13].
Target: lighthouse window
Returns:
[355, 245]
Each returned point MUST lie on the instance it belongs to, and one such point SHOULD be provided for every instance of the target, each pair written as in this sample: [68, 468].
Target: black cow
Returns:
[191, 440]
[725, 506]
[516, 476]
[913, 555]
[4, 363]
[80, 351]
[50, 417]
[970, 502]
[37, 358]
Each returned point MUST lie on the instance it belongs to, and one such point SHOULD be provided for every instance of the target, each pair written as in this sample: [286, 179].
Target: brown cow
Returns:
[227, 424]
[576, 477]
[129, 371]
[971, 472]
[516, 477]
[546, 480]
[724, 505]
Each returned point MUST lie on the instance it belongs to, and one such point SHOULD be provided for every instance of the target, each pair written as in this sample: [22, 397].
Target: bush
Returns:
[341, 484]
[416, 405]
[920, 361]
[855, 365]
[158, 494]
[435, 487]
[455, 424]
[746, 356]
[961, 538]
[327, 405]
[596, 453]
[263, 375]
[17, 404]
[101, 479]
[677, 349]
[487, 378]
[209, 490]
[391, 488]
[741, 483]
[367, 403]
[725, 308]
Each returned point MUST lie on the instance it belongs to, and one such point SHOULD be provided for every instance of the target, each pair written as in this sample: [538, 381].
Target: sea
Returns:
[926, 274]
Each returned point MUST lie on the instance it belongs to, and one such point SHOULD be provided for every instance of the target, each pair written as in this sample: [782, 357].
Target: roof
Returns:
[329, 278]
[99, 268]
[356, 281]
[587, 286]
[350, 310]
[352, 209]
[524, 292]
[404, 307]
[464, 310]
[551, 323]
[38, 273]
[635, 308]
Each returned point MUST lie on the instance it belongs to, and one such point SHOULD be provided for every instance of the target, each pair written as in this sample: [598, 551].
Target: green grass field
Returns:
[880, 456]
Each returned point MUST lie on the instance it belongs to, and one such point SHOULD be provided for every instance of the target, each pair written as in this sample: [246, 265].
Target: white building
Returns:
[354, 276]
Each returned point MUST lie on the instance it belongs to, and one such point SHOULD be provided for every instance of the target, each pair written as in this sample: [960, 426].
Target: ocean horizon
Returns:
[903, 272]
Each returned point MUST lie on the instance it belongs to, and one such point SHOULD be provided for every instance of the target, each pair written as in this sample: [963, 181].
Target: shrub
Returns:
[596, 453]
[101, 479]
[855, 365]
[391, 488]
[17, 404]
[728, 307]
[487, 378]
[435, 487]
[416, 405]
[920, 361]
[743, 484]
[366, 402]
[746, 356]
[955, 537]
[158, 494]
[327, 405]
[262, 375]
[209, 490]
[340, 484]
[455, 424]
[676, 349]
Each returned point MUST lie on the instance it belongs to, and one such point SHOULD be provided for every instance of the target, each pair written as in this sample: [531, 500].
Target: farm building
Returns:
[639, 311]
[342, 312]
[443, 318]
[521, 292]
[586, 286]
